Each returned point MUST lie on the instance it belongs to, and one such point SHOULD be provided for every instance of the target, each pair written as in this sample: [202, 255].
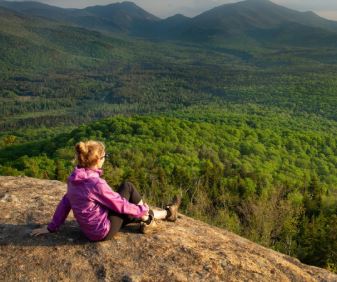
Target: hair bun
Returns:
[81, 148]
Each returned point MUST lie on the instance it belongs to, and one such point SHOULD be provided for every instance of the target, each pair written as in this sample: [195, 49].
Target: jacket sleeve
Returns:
[104, 195]
[60, 214]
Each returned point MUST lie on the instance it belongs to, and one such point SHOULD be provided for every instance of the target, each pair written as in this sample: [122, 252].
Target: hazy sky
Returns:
[165, 8]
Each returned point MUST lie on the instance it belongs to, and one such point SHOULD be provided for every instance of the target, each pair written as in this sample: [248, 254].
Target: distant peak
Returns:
[178, 16]
[259, 1]
[267, 2]
[129, 3]
[126, 4]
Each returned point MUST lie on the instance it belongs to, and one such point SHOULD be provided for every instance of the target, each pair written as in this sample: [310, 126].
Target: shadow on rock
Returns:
[19, 235]
[69, 234]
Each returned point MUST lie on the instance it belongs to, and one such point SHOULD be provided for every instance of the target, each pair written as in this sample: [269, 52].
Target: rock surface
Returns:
[186, 251]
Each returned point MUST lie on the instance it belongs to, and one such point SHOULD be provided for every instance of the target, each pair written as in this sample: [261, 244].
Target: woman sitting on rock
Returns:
[99, 211]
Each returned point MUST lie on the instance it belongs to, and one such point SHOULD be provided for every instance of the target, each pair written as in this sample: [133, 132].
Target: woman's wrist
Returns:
[145, 217]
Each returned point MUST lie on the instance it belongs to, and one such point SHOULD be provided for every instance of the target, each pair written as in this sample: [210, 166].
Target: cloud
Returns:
[308, 4]
[331, 15]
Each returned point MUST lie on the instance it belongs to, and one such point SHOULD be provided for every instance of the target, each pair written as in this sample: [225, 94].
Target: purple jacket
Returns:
[91, 198]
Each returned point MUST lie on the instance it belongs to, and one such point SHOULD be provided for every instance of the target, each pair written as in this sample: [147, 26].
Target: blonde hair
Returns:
[88, 153]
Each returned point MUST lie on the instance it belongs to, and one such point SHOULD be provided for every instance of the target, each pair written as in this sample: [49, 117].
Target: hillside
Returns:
[57, 72]
[185, 251]
[117, 17]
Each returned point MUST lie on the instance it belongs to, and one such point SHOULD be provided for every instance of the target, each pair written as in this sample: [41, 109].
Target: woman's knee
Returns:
[126, 186]
[129, 192]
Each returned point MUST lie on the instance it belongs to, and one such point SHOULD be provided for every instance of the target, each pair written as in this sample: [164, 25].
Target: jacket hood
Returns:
[84, 173]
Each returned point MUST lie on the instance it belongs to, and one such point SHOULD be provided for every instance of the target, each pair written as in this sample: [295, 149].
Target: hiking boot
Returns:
[172, 209]
[148, 226]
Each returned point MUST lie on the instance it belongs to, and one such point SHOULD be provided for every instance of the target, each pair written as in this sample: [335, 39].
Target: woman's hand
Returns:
[145, 217]
[40, 231]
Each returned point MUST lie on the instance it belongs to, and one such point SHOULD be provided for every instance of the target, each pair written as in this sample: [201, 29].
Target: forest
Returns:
[269, 176]
[246, 133]
[69, 76]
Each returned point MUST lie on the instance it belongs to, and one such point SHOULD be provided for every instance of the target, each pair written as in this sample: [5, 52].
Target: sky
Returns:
[166, 8]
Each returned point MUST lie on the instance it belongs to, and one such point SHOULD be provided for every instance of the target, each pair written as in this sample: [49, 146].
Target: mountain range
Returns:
[259, 21]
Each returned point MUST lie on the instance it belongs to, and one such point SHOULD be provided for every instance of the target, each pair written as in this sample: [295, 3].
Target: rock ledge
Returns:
[186, 251]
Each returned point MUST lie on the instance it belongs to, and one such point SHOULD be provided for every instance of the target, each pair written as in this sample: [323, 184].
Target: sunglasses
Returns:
[105, 156]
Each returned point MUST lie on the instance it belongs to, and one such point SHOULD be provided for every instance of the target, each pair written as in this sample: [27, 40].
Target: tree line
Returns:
[266, 176]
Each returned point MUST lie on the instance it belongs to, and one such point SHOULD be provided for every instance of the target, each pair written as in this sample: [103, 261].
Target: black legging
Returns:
[128, 191]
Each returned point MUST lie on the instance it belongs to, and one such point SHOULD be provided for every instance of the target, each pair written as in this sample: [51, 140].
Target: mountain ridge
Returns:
[220, 23]
[251, 15]
[95, 17]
